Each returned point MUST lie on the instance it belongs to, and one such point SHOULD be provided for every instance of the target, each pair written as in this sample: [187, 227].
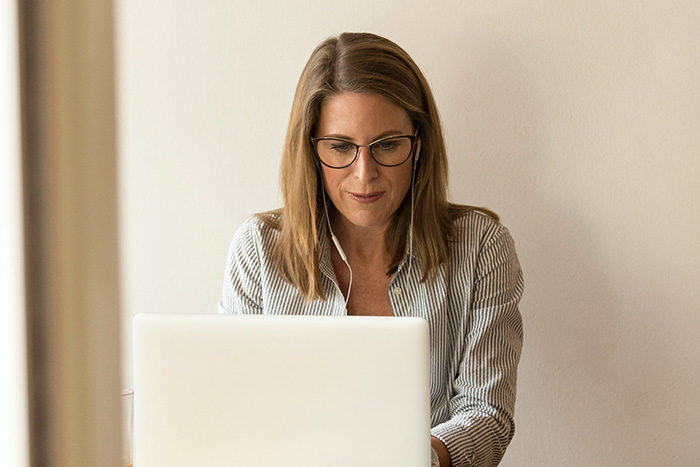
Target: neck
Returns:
[364, 243]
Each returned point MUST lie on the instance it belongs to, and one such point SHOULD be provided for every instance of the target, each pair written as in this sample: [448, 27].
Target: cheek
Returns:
[404, 179]
[331, 180]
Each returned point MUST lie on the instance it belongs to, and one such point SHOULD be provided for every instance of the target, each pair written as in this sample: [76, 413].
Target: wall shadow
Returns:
[586, 393]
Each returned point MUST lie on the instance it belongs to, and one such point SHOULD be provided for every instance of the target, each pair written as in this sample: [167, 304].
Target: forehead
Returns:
[359, 116]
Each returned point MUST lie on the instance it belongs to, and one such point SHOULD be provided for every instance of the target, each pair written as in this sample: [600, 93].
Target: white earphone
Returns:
[413, 189]
[335, 239]
[417, 156]
[336, 242]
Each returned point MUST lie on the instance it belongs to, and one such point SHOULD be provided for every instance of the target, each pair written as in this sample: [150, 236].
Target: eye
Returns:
[341, 146]
[387, 145]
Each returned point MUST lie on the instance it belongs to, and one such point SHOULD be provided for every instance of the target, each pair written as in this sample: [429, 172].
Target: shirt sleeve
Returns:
[242, 288]
[481, 423]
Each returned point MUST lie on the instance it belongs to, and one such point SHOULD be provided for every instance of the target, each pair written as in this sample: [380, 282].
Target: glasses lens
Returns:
[392, 151]
[335, 152]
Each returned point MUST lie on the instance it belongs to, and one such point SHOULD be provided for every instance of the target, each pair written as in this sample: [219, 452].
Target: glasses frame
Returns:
[368, 146]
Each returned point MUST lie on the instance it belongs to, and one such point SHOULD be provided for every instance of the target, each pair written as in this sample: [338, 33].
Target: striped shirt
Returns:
[472, 312]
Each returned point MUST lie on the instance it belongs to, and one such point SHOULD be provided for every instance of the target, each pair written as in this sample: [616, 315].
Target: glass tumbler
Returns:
[127, 427]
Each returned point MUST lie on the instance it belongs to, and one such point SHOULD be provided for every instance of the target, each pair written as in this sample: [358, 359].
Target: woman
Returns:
[366, 228]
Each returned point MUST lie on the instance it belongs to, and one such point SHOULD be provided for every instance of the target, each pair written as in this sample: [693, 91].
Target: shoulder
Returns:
[475, 228]
[260, 225]
[480, 239]
[484, 255]
[256, 233]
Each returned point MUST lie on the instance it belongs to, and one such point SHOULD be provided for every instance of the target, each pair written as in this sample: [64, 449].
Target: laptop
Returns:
[280, 391]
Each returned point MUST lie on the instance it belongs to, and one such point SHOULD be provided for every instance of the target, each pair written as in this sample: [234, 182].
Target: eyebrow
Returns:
[376, 138]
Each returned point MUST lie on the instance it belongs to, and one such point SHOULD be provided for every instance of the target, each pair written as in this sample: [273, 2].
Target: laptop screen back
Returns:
[241, 390]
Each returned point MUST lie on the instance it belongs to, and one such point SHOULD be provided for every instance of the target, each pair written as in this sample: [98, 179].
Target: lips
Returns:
[365, 198]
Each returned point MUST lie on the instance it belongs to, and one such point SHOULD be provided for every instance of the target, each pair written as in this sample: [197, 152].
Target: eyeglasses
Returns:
[388, 152]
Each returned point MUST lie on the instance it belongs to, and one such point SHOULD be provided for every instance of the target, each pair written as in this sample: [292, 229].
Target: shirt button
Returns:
[397, 290]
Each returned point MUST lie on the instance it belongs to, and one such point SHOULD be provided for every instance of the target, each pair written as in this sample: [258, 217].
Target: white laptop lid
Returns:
[292, 391]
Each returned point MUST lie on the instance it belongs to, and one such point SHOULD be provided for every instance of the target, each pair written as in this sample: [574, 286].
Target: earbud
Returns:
[417, 156]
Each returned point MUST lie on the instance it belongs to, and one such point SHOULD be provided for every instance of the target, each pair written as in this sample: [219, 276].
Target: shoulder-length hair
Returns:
[361, 63]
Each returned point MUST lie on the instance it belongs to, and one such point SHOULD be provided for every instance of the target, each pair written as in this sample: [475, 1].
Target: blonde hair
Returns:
[361, 63]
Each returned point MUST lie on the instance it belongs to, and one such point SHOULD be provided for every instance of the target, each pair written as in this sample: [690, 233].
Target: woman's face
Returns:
[365, 193]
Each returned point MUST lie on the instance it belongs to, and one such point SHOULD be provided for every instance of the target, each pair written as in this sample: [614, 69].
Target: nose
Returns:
[365, 167]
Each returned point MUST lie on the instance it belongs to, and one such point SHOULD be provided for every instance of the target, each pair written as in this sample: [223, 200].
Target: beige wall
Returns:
[577, 121]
